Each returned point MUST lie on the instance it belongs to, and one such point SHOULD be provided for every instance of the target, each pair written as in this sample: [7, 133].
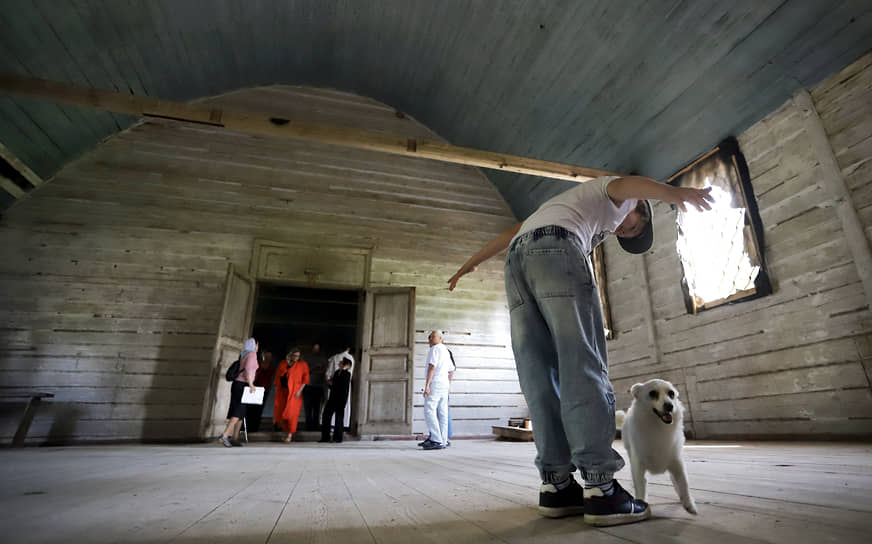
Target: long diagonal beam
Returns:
[65, 93]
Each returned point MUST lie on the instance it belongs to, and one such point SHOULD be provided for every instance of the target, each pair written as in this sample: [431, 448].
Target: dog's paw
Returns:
[690, 506]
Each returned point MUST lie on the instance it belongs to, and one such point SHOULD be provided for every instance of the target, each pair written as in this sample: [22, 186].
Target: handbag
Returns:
[233, 371]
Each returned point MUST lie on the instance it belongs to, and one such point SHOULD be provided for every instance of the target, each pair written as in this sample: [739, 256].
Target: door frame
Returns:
[357, 353]
[224, 345]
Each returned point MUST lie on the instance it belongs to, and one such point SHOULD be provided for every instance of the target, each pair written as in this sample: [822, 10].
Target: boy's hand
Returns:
[464, 270]
[698, 198]
[493, 247]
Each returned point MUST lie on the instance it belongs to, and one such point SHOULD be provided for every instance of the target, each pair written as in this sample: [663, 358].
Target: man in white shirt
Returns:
[436, 393]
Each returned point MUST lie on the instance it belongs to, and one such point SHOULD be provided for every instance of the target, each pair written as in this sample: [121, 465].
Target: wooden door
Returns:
[232, 330]
[387, 362]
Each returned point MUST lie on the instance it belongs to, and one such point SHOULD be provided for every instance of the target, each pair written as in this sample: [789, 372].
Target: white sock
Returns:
[550, 478]
[563, 485]
[607, 488]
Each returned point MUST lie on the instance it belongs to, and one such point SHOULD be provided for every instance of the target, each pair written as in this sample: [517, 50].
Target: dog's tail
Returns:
[619, 419]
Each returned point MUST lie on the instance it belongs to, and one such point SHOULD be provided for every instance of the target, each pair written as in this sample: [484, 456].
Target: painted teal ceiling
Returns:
[622, 85]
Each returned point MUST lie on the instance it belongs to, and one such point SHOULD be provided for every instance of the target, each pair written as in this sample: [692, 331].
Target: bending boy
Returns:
[558, 338]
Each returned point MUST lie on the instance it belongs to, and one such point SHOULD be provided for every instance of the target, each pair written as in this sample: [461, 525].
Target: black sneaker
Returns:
[568, 501]
[433, 446]
[616, 509]
[236, 443]
[424, 443]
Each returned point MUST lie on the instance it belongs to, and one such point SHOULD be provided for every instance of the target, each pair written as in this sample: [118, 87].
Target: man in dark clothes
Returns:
[340, 385]
[313, 394]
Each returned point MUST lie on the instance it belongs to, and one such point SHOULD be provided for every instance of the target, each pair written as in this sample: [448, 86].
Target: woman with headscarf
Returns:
[247, 370]
[292, 376]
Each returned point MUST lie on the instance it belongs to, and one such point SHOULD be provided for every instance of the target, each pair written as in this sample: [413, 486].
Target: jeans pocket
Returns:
[513, 294]
[550, 272]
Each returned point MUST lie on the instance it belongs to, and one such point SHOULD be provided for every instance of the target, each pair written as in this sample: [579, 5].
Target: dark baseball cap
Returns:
[642, 242]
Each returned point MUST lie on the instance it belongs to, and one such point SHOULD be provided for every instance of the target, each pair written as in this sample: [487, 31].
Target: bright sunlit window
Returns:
[719, 249]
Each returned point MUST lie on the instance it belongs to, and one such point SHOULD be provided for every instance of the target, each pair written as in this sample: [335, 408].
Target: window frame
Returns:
[598, 261]
[728, 153]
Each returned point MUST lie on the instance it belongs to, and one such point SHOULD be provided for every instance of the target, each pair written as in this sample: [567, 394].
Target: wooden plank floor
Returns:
[392, 492]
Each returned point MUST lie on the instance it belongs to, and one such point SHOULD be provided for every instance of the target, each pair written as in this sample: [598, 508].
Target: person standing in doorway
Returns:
[340, 385]
[313, 394]
[236, 411]
[436, 393]
[558, 338]
[333, 365]
[292, 375]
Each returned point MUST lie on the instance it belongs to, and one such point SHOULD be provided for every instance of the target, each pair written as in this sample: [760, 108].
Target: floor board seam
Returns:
[204, 516]
[357, 506]
[284, 506]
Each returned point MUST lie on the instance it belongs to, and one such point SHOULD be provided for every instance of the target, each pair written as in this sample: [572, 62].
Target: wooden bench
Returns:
[34, 398]
[513, 433]
[519, 429]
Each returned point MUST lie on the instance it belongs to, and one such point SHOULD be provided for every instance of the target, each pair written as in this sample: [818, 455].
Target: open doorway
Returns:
[288, 316]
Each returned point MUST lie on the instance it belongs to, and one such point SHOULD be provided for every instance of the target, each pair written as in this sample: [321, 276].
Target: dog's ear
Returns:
[635, 390]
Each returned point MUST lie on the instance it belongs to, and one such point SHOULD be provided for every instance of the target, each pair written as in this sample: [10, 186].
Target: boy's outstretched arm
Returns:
[639, 187]
[493, 247]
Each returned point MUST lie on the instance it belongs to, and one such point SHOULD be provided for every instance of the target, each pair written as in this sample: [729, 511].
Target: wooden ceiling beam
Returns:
[9, 186]
[16, 178]
[66, 93]
[19, 166]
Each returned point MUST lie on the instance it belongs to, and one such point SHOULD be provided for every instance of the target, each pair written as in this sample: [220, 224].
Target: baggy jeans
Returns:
[560, 353]
[436, 412]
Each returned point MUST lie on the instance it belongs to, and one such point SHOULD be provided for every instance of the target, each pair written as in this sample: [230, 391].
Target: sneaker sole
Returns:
[616, 519]
[552, 512]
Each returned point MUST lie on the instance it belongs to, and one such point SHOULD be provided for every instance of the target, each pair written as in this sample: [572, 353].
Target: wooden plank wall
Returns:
[795, 363]
[112, 274]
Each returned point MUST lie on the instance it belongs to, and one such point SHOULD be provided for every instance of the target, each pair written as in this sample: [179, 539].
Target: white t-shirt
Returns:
[586, 211]
[439, 358]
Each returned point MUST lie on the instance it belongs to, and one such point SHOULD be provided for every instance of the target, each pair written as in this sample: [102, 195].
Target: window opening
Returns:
[721, 249]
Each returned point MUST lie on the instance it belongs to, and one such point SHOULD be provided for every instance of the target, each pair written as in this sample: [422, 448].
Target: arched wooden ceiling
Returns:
[618, 85]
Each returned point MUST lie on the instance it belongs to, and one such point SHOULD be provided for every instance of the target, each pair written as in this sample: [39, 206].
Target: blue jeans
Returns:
[561, 357]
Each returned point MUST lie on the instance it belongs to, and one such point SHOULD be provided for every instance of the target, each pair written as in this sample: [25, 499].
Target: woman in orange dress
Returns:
[292, 376]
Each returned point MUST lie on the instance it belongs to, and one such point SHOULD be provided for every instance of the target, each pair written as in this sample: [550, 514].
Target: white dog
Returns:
[653, 434]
